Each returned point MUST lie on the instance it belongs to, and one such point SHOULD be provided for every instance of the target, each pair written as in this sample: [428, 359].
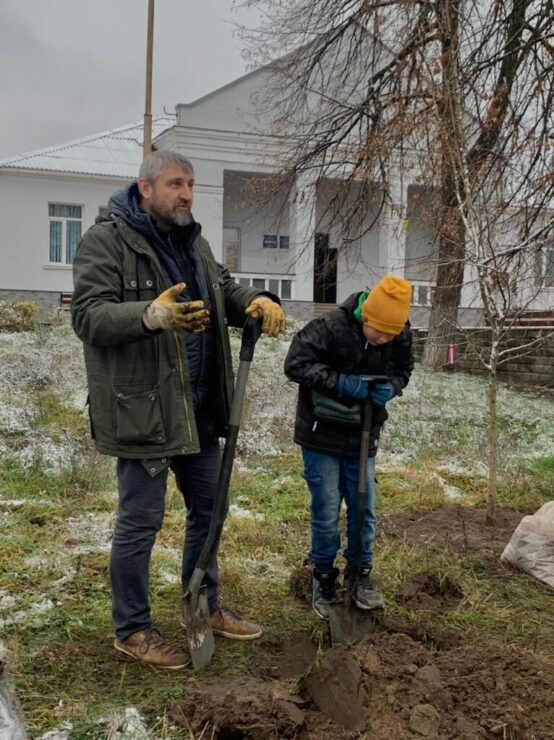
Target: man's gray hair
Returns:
[154, 162]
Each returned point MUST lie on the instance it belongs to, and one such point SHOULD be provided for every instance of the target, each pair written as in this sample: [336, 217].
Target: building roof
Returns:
[115, 153]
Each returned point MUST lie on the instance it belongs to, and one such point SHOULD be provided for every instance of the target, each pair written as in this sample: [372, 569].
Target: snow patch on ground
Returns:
[129, 725]
[452, 493]
[273, 569]
[33, 614]
[6, 601]
[61, 733]
[283, 481]
[90, 533]
[168, 577]
[239, 513]
[442, 414]
[12, 504]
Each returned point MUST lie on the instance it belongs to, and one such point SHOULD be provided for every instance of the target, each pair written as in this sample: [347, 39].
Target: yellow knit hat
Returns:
[387, 306]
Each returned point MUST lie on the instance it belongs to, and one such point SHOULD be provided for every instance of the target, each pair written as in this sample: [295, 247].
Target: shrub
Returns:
[18, 315]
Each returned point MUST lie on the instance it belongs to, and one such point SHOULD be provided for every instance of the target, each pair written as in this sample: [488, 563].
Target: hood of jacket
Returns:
[126, 204]
[350, 304]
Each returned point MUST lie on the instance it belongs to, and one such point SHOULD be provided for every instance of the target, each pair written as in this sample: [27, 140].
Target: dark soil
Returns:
[429, 591]
[398, 683]
[458, 528]
[390, 687]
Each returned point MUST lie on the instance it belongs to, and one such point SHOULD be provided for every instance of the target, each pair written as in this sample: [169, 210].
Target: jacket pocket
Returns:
[333, 411]
[138, 418]
[139, 286]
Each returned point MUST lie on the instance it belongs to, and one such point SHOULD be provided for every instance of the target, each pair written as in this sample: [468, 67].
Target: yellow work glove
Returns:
[166, 312]
[273, 322]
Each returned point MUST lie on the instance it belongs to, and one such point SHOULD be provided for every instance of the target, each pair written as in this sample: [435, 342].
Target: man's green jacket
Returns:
[140, 398]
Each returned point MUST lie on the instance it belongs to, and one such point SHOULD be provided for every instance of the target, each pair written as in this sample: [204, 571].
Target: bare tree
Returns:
[504, 237]
[366, 91]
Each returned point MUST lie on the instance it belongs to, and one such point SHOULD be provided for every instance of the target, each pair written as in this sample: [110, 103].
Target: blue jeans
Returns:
[332, 480]
[139, 518]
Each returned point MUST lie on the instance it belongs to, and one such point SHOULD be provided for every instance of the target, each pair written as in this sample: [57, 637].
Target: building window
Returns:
[422, 295]
[544, 265]
[286, 289]
[282, 288]
[65, 231]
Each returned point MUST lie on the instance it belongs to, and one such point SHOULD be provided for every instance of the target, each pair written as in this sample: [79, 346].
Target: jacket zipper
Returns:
[181, 374]
[219, 337]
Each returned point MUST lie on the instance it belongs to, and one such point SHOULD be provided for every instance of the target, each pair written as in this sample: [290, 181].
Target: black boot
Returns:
[365, 595]
[324, 591]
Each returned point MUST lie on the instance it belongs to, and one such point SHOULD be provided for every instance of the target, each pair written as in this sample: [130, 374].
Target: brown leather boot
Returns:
[150, 647]
[230, 624]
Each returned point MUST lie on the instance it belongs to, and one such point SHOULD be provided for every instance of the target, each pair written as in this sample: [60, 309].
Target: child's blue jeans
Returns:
[332, 480]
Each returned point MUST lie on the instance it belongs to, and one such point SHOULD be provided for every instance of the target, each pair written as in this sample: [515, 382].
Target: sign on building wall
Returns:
[270, 241]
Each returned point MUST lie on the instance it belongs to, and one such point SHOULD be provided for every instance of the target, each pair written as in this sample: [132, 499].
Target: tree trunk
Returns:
[444, 311]
[451, 257]
[493, 448]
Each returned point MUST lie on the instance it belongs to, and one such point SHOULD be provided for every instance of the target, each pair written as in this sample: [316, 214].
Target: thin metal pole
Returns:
[148, 96]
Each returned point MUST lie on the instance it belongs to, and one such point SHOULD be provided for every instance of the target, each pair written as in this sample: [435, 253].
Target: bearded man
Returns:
[151, 306]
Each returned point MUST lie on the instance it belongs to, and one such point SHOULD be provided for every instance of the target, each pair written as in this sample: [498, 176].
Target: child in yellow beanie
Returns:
[332, 359]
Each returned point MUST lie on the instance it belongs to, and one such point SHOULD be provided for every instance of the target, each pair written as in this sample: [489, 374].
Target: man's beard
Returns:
[181, 218]
[171, 216]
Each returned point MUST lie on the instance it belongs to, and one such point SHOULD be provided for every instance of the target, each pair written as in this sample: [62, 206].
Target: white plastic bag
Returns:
[531, 547]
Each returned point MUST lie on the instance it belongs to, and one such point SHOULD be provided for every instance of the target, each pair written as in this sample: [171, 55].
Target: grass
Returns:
[65, 666]
[54, 581]
[56, 417]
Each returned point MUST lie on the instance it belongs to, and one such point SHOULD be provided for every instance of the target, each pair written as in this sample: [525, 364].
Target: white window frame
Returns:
[262, 282]
[64, 220]
[423, 292]
[541, 264]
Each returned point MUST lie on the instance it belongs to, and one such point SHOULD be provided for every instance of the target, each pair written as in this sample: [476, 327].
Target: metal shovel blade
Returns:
[349, 624]
[196, 617]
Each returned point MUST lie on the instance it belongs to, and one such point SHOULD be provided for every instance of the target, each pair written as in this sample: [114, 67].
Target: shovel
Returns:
[347, 622]
[196, 614]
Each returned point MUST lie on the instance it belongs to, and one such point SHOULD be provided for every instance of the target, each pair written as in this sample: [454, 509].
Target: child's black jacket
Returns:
[335, 344]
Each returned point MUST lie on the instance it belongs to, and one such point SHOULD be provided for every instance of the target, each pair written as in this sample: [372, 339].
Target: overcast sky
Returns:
[77, 67]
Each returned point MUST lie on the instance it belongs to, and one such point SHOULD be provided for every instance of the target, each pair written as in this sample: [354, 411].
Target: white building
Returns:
[51, 196]
[289, 246]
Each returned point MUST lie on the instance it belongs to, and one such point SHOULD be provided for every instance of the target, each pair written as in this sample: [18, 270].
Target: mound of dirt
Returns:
[459, 528]
[301, 582]
[390, 687]
[464, 693]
